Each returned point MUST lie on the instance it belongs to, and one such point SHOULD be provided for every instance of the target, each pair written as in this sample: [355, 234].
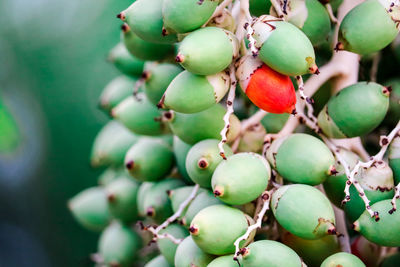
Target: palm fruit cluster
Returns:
[217, 155]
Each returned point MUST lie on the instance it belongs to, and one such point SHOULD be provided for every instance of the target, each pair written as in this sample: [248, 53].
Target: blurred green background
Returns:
[52, 69]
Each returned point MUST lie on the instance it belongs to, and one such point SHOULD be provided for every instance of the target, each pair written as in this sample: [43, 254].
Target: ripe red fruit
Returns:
[271, 91]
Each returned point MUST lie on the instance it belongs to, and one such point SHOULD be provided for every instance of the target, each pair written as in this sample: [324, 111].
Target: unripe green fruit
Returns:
[158, 261]
[125, 62]
[122, 195]
[386, 231]
[144, 188]
[301, 158]
[223, 261]
[394, 159]
[394, 101]
[118, 245]
[181, 149]
[304, 211]
[187, 15]
[199, 55]
[191, 93]
[202, 200]
[146, 20]
[111, 145]
[273, 123]
[354, 111]
[259, 7]
[202, 160]
[313, 252]
[111, 174]
[150, 159]
[342, 259]
[391, 261]
[218, 238]
[166, 246]
[284, 47]
[156, 202]
[142, 49]
[188, 254]
[241, 178]
[270, 253]
[334, 185]
[207, 124]
[139, 116]
[157, 80]
[252, 139]
[89, 208]
[179, 195]
[116, 91]
[357, 34]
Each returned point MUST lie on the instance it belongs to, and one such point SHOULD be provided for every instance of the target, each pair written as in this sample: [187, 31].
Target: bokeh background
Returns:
[52, 69]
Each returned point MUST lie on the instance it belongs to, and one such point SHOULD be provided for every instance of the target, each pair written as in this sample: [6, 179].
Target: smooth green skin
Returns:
[342, 259]
[394, 100]
[358, 108]
[286, 50]
[395, 166]
[367, 28]
[111, 144]
[166, 246]
[208, 150]
[272, 254]
[313, 252]
[273, 123]
[385, 232]
[187, 15]
[203, 56]
[153, 159]
[318, 24]
[145, 50]
[207, 124]
[259, 7]
[242, 177]
[292, 211]
[188, 254]
[138, 116]
[328, 126]
[189, 93]
[110, 174]
[391, 261]
[118, 244]
[146, 20]
[10, 136]
[116, 91]
[125, 62]
[218, 238]
[156, 197]
[181, 149]
[179, 195]
[141, 194]
[158, 261]
[305, 159]
[223, 261]
[160, 77]
[90, 209]
[122, 195]
[203, 200]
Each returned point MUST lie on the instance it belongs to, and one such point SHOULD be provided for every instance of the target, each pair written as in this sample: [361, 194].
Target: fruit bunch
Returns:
[279, 175]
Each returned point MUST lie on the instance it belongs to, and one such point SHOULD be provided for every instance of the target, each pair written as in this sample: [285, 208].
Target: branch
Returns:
[277, 6]
[218, 11]
[396, 196]
[343, 238]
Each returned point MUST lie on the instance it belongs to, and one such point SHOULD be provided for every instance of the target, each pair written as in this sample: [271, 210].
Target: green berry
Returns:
[121, 196]
[301, 158]
[273, 123]
[394, 159]
[202, 200]
[158, 261]
[342, 259]
[150, 159]
[179, 195]
[199, 55]
[202, 160]
[218, 238]
[304, 211]
[223, 261]
[241, 178]
[125, 62]
[90, 209]
[139, 115]
[270, 253]
[354, 111]
[188, 254]
[116, 91]
[166, 246]
[384, 232]
[110, 174]
[144, 188]
[181, 149]
[118, 245]
[357, 34]
[111, 145]
[207, 124]
[191, 93]
[394, 101]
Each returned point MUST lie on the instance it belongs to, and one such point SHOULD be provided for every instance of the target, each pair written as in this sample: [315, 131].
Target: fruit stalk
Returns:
[396, 196]
[218, 11]
[277, 6]
[330, 12]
